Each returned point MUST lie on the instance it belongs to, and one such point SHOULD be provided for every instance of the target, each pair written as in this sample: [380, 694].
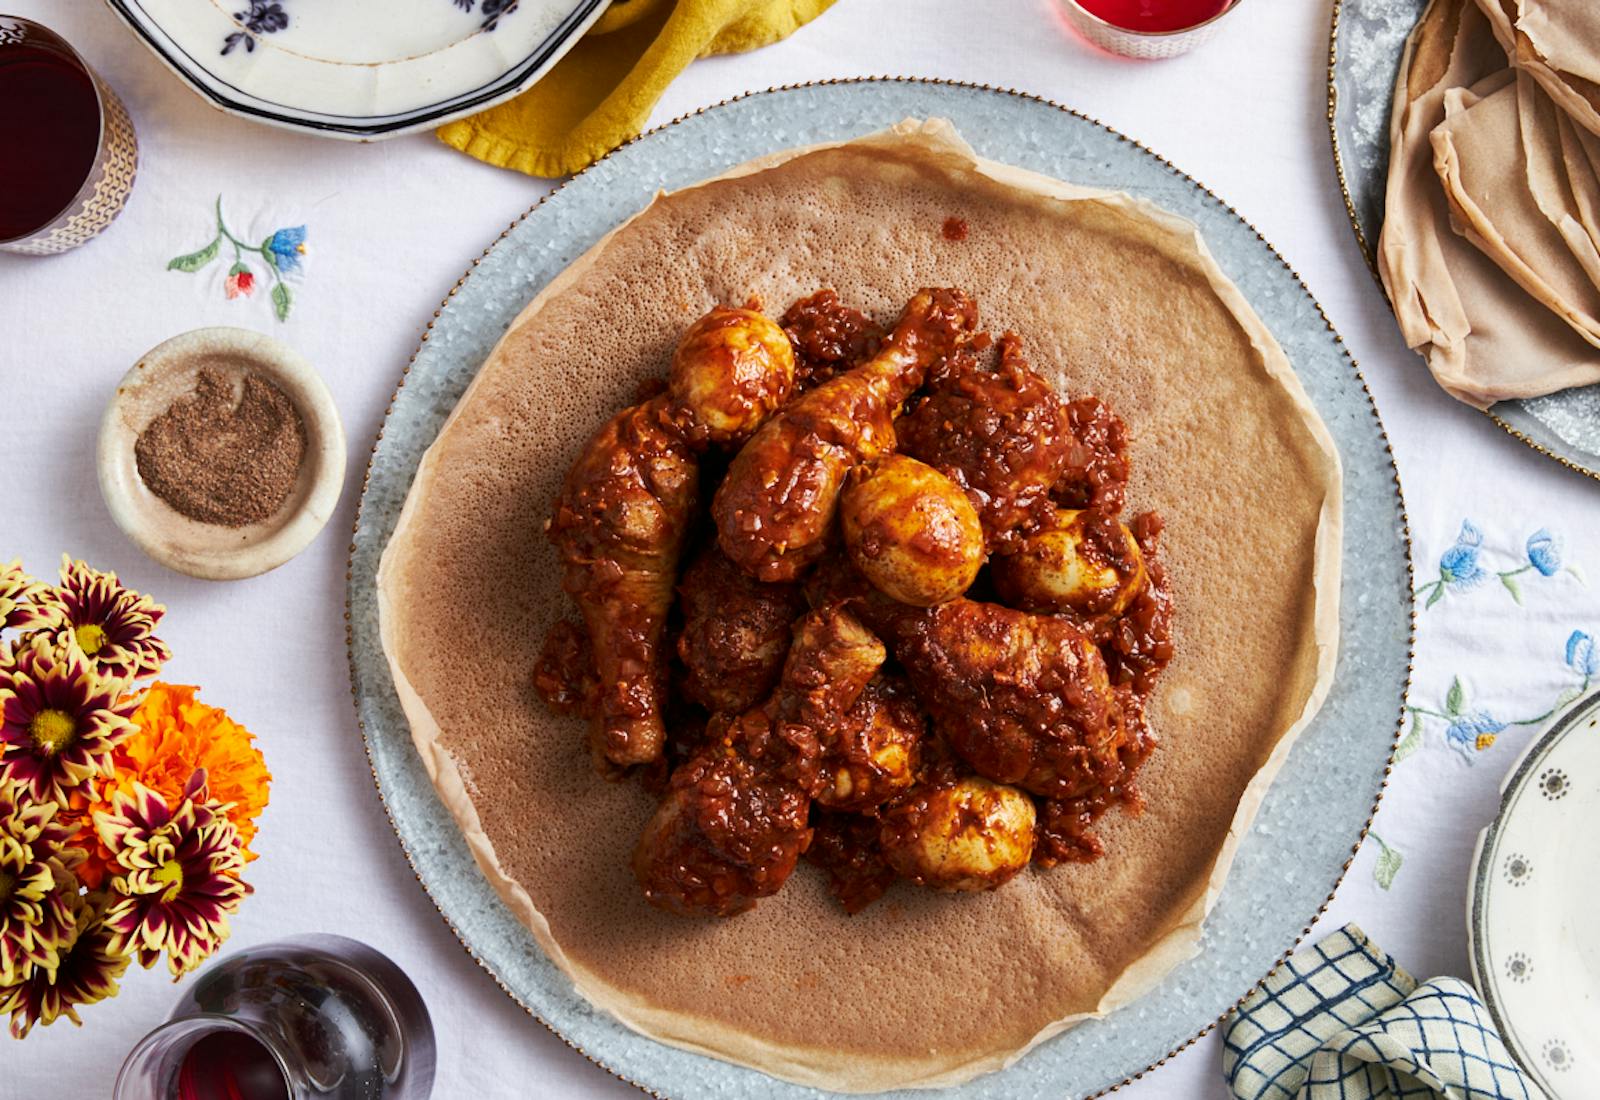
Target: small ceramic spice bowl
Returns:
[221, 454]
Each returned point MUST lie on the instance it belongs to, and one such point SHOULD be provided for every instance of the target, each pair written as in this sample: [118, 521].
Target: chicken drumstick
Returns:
[735, 818]
[778, 500]
[627, 504]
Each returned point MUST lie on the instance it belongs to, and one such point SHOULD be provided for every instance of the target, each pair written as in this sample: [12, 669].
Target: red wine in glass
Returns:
[49, 135]
[229, 1065]
[311, 1018]
[1155, 16]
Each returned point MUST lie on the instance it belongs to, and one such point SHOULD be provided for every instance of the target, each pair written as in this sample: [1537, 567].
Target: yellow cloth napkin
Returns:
[601, 93]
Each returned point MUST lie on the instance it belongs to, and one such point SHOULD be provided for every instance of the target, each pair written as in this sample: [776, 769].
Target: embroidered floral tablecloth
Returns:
[346, 250]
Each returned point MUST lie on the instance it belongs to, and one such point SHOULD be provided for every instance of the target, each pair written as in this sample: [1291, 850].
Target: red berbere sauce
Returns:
[1155, 15]
[49, 134]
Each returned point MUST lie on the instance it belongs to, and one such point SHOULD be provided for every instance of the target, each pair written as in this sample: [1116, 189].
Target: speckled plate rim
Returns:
[1392, 471]
[1485, 975]
[1366, 246]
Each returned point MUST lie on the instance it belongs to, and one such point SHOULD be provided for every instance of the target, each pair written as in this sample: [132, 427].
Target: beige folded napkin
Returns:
[1484, 338]
[1557, 42]
[1490, 180]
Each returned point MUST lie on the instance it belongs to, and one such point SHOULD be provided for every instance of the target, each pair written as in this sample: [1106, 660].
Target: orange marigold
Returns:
[177, 734]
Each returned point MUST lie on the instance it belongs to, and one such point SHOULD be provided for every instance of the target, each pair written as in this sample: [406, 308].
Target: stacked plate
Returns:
[360, 69]
[1532, 913]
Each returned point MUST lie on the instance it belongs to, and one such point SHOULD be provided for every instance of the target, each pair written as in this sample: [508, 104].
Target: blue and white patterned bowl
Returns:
[1315, 813]
[358, 69]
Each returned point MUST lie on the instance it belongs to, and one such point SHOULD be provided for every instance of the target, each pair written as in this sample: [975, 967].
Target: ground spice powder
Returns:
[223, 455]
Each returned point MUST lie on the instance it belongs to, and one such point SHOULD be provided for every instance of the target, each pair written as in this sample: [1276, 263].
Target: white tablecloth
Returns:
[390, 229]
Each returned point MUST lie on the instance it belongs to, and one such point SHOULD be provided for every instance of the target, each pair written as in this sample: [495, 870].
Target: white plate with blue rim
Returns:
[358, 69]
[1533, 915]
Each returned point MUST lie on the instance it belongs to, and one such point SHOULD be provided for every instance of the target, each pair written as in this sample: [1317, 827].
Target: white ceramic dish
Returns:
[1533, 915]
[358, 69]
[211, 552]
[1143, 45]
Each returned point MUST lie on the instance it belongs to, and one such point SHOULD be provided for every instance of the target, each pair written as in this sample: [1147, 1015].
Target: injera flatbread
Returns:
[1482, 161]
[1557, 42]
[1484, 338]
[1111, 296]
[1564, 190]
[1580, 157]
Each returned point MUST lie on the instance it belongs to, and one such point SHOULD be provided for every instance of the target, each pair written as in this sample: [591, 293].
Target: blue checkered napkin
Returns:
[1439, 1041]
[1341, 1021]
[1340, 982]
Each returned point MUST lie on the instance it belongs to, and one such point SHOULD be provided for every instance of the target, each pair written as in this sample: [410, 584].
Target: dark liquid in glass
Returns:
[227, 1065]
[1155, 15]
[49, 135]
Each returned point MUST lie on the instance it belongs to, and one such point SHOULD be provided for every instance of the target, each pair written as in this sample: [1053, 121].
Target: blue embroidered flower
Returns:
[1458, 566]
[1544, 552]
[1582, 657]
[286, 247]
[1472, 731]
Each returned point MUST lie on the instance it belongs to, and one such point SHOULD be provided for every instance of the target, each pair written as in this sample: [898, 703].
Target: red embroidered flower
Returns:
[239, 284]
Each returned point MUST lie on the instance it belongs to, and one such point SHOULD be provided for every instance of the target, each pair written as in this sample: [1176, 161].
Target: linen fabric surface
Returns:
[601, 93]
[1340, 1020]
[389, 230]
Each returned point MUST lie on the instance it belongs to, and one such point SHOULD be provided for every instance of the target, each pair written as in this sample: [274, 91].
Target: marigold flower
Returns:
[59, 719]
[87, 971]
[19, 597]
[36, 919]
[177, 735]
[179, 875]
[113, 626]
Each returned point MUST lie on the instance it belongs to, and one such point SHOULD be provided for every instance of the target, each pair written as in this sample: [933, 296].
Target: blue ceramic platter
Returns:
[1369, 37]
[1300, 844]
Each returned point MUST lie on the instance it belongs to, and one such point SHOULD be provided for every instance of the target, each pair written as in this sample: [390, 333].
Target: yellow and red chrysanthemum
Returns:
[19, 597]
[36, 883]
[178, 878]
[59, 719]
[176, 735]
[113, 626]
[87, 971]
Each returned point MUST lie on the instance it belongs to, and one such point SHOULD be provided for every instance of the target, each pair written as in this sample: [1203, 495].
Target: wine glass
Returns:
[311, 1018]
